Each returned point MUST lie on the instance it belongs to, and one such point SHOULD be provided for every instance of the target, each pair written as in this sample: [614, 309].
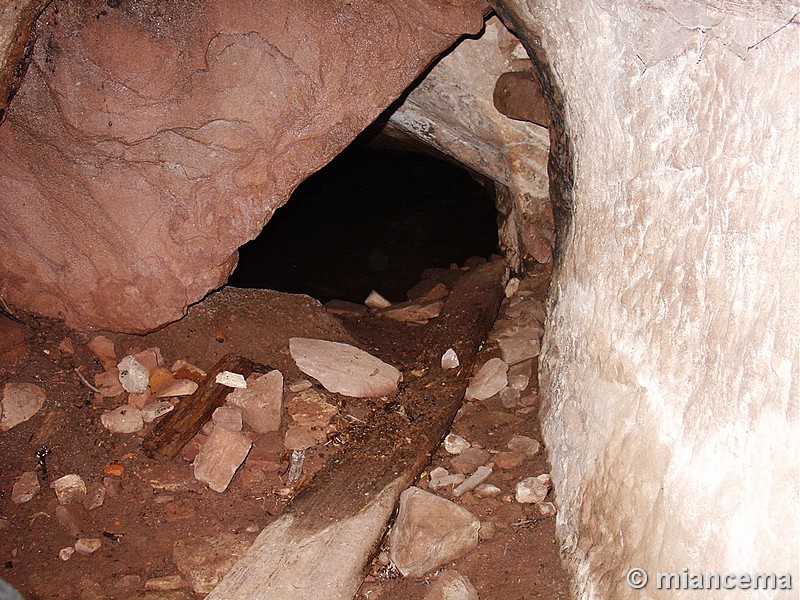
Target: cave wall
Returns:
[149, 140]
[452, 109]
[669, 365]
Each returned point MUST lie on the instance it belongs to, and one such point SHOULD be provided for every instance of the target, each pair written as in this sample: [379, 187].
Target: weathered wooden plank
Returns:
[178, 427]
[319, 547]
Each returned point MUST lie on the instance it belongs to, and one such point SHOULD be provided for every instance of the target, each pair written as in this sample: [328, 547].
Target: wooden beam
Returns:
[319, 547]
[178, 427]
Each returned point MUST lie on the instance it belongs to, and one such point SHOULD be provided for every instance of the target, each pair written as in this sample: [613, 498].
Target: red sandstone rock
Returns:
[145, 146]
[12, 339]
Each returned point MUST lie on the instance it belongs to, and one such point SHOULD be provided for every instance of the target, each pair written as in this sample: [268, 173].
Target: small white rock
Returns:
[87, 546]
[438, 472]
[133, 375]
[375, 300]
[26, 487]
[69, 488]
[230, 379]
[547, 509]
[66, 553]
[438, 483]
[455, 444]
[511, 287]
[533, 489]
[487, 490]
[450, 359]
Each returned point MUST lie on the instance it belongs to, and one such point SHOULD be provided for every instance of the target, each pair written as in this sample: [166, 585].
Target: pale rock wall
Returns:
[669, 365]
[452, 110]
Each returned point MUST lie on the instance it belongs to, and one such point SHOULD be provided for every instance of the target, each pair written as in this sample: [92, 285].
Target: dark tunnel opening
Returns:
[373, 218]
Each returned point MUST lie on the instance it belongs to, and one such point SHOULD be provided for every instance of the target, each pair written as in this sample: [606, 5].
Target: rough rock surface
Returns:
[451, 585]
[148, 142]
[261, 402]
[676, 369]
[18, 403]
[203, 562]
[429, 532]
[344, 369]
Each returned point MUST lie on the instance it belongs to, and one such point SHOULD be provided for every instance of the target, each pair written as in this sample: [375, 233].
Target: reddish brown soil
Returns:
[155, 503]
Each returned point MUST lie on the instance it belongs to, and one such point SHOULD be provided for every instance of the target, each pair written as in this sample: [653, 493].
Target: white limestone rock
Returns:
[87, 546]
[231, 379]
[455, 444]
[533, 489]
[69, 489]
[133, 375]
[375, 300]
[153, 411]
[450, 359]
[344, 369]
[480, 475]
[451, 585]
[19, 403]
[430, 531]
[490, 379]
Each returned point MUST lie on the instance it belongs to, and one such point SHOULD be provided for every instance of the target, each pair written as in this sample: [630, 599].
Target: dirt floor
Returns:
[153, 510]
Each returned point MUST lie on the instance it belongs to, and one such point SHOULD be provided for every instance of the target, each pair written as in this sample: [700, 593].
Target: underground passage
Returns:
[409, 300]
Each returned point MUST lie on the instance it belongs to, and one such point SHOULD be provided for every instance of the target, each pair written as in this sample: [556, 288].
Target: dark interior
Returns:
[371, 219]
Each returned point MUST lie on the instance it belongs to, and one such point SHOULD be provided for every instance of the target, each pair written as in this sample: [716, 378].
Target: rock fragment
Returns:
[522, 443]
[95, 496]
[166, 583]
[19, 403]
[261, 402]
[219, 458]
[25, 488]
[414, 313]
[230, 379]
[229, 417]
[108, 383]
[153, 411]
[103, 349]
[455, 444]
[344, 369]
[469, 460]
[87, 546]
[490, 379]
[430, 531]
[519, 347]
[123, 419]
[176, 387]
[451, 585]
[446, 481]
[509, 460]
[69, 488]
[533, 489]
[66, 553]
[133, 375]
[480, 475]
[450, 359]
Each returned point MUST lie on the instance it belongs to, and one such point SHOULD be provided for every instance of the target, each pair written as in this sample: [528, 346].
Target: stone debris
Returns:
[158, 377]
[150, 359]
[261, 402]
[66, 553]
[533, 489]
[519, 347]
[299, 438]
[413, 313]
[66, 346]
[25, 488]
[455, 444]
[343, 307]
[450, 359]
[344, 369]
[153, 411]
[438, 472]
[166, 583]
[71, 517]
[175, 388]
[509, 398]
[309, 409]
[451, 585]
[446, 481]
[488, 530]
[203, 562]
[487, 490]
[469, 460]
[522, 443]
[509, 460]
[228, 417]
[87, 546]
[69, 488]
[128, 583]
[133, 375]
[95, 496]
[19, 403]
[140, 400]
[490, 379]
[511, 287]
[123, 419]
[480, 475]
[375, 300]
[103, 349]
[430, 531]
[547, 509]
[219, 458]
[108, 383]
[519, 382]
[186, 370]
[232, 380]
[12, 339]
[300, 386]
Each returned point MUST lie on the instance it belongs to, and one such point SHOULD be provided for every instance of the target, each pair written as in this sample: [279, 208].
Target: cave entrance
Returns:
[374, 218]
